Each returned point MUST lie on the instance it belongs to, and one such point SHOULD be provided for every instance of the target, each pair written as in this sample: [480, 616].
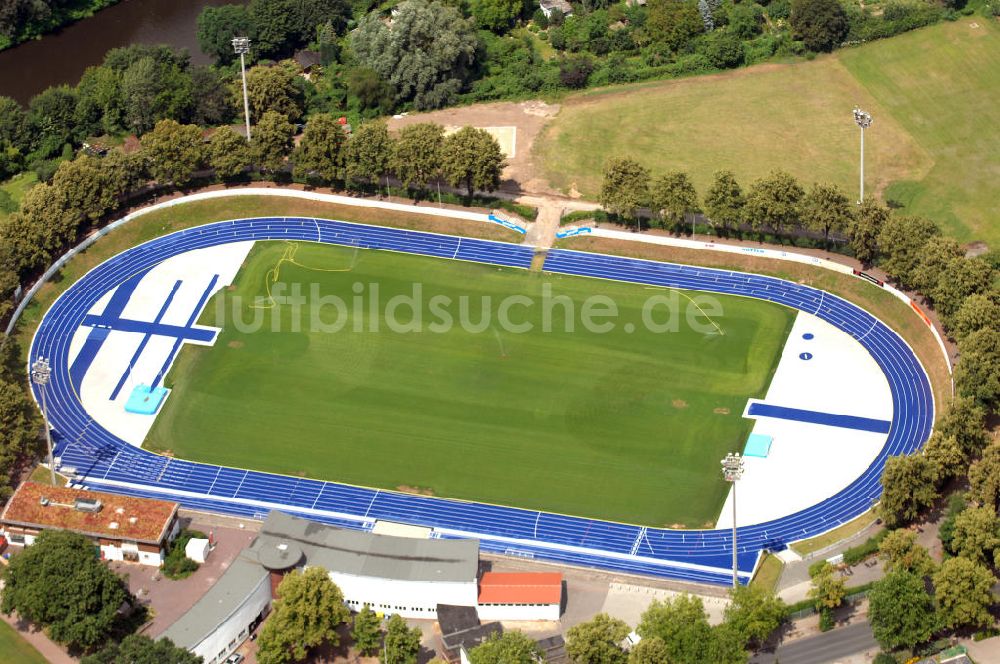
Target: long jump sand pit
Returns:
[514, 125]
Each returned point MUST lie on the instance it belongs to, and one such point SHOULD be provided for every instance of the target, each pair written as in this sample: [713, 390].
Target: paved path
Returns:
[853, 643]
[43, 644]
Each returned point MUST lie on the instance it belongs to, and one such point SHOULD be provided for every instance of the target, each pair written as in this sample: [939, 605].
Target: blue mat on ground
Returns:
[758, 445]
[145, 400]
[814, 417]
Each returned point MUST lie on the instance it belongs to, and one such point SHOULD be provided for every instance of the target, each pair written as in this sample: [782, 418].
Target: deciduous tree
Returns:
[724, 201]
[674, 197]
[512, 647]
[820, 24]
[426, 55]
[271, 89]
[19, 424]
[908, 488]
[947, 455]
[416, 159]
[934, 257]
[173, 152]
[965, 421]
[472, 157]
[774, 201]
[322, 151]
[228, 153]
[901, 611]
[826, 209]
[682, 624]
[14, 127]
[901, 242]
[369, 152]
[217, 26]
[122, 172]
[83, 187]
[828, 589]
[962, 591]
[213, 101]
[272, 141]
[496, 15]
[138, 649]
[865, 228]
[899, 551]
[978, 311]
[672, 23]
[625, 187]
[58, 583]
[306, 614]
[52, 119]
[649, 651]
[402, 644]
[961, 278]
[598, 641]
[754, 613]
[978, 372]
[984, 477]
[977, 535]
[367, 631]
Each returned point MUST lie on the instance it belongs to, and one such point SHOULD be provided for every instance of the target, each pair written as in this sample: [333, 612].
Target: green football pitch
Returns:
[620, 425]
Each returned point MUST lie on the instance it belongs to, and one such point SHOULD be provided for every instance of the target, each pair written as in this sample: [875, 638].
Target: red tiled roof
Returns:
[151, 517]
[520, 588]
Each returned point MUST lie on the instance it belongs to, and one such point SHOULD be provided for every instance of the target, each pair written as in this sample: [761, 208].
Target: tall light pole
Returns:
[40, 372]
[864, 120]
[732, 470]
[242, 46]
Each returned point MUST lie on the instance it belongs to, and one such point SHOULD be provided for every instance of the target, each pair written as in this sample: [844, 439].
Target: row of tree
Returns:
[87, 187]
[776, 203]
[918, 598]
[677, 631]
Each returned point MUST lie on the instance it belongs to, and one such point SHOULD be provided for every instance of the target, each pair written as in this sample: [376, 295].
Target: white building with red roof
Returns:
[520, 596]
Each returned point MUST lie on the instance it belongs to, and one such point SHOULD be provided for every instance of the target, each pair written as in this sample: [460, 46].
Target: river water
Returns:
[61, 57]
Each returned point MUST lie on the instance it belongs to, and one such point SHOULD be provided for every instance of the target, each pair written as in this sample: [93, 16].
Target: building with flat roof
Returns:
[402, 575]
[125, 528]
[227, 614]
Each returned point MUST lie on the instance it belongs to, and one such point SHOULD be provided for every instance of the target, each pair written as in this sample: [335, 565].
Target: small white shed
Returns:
[197, 550]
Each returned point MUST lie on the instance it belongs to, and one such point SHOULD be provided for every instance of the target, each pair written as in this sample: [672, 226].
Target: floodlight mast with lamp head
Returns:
[864, 120]
[241, 45]
[732, 471]
[40, 373]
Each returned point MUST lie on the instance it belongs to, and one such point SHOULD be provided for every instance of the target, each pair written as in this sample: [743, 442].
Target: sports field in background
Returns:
[624, 426]
[933, 147]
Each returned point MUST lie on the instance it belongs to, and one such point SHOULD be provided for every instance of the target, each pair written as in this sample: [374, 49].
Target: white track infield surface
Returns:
[178, 284]
[810, 462]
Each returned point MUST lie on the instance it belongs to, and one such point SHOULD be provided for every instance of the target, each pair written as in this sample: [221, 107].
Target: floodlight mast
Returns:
[242, 46]
[732, 471]
[40, 372]
[863, 120]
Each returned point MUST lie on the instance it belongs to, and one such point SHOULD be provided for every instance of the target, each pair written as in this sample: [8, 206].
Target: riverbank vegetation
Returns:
[21, 20]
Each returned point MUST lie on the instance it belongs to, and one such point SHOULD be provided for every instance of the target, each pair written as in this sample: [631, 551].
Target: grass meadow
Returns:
[616, 425]
[933, 147]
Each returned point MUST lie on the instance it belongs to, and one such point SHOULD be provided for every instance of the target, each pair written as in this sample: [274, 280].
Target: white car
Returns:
[235, 658]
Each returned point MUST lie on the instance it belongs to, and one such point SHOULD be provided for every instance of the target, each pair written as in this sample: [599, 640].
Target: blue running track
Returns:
[103, 461]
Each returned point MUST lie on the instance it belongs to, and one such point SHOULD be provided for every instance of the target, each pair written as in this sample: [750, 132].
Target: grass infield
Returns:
[619, 425]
